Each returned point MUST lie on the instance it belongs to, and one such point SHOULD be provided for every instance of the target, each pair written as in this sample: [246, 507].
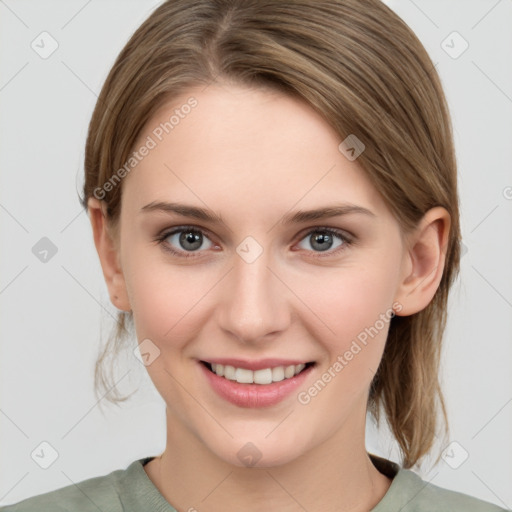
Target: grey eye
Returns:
[187, 240]
[321, 241]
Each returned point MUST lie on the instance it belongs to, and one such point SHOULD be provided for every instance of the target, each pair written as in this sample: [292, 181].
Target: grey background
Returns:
[54, 313]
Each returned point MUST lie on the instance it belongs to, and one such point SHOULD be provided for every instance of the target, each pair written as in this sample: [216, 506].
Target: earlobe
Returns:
[423, 262]
[108, 253]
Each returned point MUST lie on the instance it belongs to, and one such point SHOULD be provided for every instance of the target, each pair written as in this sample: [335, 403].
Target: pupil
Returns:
[192, 238]
[323, 240]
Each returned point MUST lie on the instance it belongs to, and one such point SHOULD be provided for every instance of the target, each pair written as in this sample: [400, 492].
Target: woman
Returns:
[272, 191]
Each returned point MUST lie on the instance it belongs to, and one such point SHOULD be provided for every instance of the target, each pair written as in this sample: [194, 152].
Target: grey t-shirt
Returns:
[131, 490]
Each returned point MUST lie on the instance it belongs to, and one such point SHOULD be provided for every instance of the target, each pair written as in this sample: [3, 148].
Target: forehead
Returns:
[251, 149]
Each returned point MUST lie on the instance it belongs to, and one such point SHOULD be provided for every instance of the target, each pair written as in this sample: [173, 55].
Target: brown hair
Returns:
[363, 69]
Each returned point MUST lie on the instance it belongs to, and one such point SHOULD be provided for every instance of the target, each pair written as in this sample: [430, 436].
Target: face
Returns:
[254, 285]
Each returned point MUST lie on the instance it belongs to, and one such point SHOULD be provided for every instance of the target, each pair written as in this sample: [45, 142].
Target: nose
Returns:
[254, 305]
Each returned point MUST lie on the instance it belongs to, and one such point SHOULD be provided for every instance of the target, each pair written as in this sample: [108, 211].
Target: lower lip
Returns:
[254, 395]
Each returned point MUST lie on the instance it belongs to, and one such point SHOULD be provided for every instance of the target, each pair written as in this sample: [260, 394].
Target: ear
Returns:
[423, 261]
[108, 253]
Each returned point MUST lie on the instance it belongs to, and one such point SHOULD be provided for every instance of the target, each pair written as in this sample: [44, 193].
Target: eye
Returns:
[184, 240]
[190, 241]
[323, 240]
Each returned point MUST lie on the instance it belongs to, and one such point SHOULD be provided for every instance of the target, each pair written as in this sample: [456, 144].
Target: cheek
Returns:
[165, 298]
[352, 300]
[355, 312]
[166, 304]
[356, 308]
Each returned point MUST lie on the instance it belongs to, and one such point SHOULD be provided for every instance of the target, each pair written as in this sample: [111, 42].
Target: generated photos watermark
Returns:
[151, 142]
[357, 345]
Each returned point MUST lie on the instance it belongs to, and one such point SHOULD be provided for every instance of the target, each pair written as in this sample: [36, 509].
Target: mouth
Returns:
[262, 376]
[256, 383]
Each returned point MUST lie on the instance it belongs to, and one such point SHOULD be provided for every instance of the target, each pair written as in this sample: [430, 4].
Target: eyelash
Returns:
[161, 240]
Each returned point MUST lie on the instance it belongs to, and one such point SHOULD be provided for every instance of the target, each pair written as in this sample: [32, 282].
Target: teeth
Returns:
[289, 371]
[244, 376]
[278, 373]
[265, 376]
[229, 372]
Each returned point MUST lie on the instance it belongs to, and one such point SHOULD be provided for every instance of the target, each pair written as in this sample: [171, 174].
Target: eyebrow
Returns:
[185, 210]
[291, 218]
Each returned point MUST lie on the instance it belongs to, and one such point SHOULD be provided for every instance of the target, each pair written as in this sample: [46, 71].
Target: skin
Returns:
[253, 156]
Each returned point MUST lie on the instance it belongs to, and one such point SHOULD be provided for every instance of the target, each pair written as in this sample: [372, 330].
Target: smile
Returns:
[266, 384]
[263, 376]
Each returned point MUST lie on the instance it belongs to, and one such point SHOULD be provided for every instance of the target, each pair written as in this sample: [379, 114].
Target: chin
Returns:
[258, 453]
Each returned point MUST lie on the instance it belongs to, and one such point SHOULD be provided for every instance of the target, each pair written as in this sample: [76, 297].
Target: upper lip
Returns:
[254, 365]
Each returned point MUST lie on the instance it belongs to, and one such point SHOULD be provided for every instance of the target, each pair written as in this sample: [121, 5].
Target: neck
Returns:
[337, 475]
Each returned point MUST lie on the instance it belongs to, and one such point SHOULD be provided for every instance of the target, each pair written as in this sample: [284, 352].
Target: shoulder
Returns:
[410, 493]
[422, 496]
[98, 493]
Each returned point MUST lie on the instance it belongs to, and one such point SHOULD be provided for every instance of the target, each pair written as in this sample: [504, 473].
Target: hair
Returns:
[361, 67]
